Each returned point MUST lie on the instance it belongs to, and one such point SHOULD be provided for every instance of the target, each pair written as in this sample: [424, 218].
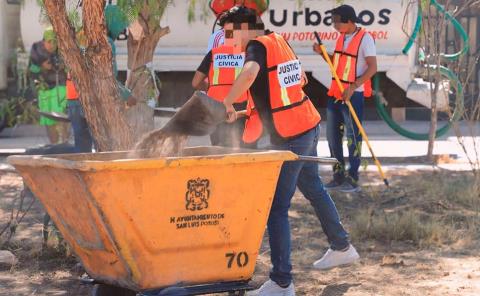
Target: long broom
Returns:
[352, 111]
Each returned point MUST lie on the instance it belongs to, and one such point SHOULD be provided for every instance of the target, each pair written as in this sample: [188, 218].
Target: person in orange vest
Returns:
[221, 66]
[274, 76]
[81, 132]
[355, 62]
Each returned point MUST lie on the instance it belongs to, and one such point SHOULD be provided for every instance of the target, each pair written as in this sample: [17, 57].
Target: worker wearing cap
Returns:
[274, 76]
[355, 62]
[48, 71]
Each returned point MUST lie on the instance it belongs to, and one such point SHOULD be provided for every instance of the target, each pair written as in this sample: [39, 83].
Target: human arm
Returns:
[240, 86]
[199, 82]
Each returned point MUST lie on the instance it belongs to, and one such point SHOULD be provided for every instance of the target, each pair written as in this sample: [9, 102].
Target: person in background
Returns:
[355, 62]
[81, 133]
[48, 72]
[216, 74]
[216, 39]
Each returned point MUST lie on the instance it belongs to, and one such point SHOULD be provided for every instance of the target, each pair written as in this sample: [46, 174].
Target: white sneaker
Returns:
[337, 258]
[270, 288]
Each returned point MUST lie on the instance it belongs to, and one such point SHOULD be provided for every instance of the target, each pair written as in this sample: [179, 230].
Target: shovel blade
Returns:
[199, 116]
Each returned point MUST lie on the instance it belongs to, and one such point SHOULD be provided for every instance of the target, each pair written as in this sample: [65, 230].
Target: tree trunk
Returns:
[93, 74]
[141, 79]
[431, 49]
[436, 31]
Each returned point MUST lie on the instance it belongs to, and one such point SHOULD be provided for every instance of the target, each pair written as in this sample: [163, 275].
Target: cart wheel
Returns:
[107, 290]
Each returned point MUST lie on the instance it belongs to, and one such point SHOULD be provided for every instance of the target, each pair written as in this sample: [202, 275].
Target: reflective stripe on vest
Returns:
[225, 67]
[345, 64]
[292, 111]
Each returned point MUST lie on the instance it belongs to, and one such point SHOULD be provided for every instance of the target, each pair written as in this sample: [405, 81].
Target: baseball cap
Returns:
[49, 34]
[346, 13]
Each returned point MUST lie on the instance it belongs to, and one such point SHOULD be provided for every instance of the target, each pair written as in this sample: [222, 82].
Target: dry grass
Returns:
[407, 226]
[438, 208]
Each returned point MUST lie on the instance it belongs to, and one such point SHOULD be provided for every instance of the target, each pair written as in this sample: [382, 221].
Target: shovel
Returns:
[199, 116]
[58, 116]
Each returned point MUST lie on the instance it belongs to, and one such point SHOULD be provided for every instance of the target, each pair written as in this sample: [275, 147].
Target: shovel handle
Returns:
[318, 38]
[242, 113]
[324, 160]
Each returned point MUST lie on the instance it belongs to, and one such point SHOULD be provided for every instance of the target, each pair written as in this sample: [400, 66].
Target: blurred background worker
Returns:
[355, 62]
[221, 66]
[48, 72]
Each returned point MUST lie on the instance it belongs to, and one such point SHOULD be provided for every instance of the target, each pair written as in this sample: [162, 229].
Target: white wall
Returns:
[9, 34]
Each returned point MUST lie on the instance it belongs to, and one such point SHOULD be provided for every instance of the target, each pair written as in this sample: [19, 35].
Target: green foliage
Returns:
[131, 8]
[194, 5]
[18, 110]
[155, 9]
[425, 4]
[74, 19]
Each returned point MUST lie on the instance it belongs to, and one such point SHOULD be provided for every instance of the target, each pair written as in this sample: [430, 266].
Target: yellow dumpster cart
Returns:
[190, 224]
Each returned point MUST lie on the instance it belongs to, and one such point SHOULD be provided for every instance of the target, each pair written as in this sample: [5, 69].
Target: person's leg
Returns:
[341, 252]
[353, 135]
[86, 139]
[81, 132]
[311, 186]
[278, 223]
[64, 131]
[335, 128]
[44, 104]
[52, 133]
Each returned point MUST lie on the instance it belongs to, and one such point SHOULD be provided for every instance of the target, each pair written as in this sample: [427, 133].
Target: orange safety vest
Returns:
[253, 125]
[292, 111]
[225, 66]
[72, 93]
[345, 64]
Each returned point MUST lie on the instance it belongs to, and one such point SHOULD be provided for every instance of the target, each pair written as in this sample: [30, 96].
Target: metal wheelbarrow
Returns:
[166, 226]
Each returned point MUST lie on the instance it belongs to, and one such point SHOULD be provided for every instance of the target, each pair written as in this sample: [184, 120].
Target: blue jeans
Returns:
[305, 176]
[81, 132]
[339, 120]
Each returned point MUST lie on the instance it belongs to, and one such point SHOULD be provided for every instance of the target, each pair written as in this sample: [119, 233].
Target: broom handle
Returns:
[350, 107]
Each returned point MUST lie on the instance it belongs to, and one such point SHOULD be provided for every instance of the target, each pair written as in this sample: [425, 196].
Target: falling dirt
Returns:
[199, 116]
[159, 143]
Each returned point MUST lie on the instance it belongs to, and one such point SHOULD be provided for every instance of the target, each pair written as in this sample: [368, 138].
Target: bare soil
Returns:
[448, 266]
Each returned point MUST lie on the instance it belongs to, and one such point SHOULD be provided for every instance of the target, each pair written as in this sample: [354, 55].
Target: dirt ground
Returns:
[444, 260]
